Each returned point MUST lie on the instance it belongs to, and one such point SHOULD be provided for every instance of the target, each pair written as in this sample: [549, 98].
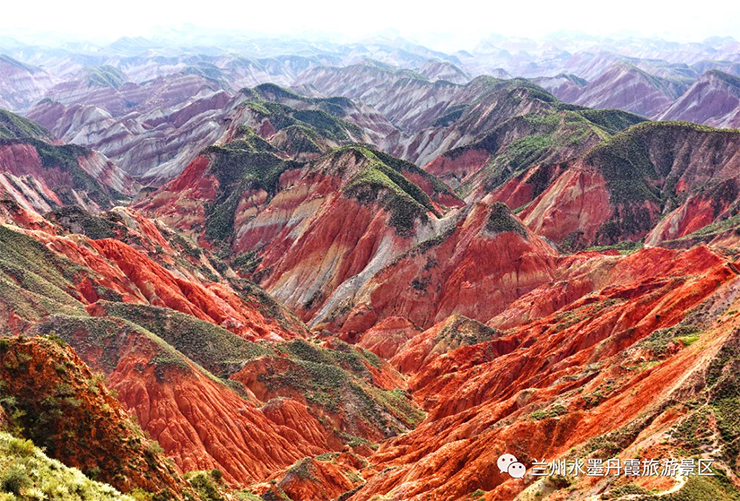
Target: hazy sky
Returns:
[457, 24]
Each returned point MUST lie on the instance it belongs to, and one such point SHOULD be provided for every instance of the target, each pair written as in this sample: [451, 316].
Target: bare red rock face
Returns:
[522, 189]
[312, 238]
[488, 253]
[42, 183]
[200, 421]
[293, 414]
[180, 203]
[137, 279]
[577, 200]
[448, 335]
[557, 381]
[336, 399]
[518, 158]
[619, 189]
[159, 287]
[456, 168]
[388, 336]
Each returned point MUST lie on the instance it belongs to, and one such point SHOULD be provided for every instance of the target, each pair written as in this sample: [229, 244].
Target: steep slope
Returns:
[485, 252]
[40, 176]
[312, 256]
[302, 129]
[26, 469]
[158, 267]
[54, 400]
[152, 130]
[462, 124]
[288, 218]
[249, 431]
[258, 422]
[565, 87]
[323, 478]
[626, 87]
[376, 85]
[519, 158]
[407, 99]
[442, 70]
[14, 126]
[692, 224]
[154, 145]
[106, 87]
[47, 292]
[331, 394]
[373, 126]
[623, 367]
[619, 189]
[334, 395]
[21, 84]
[201, 422]
[388, 336]
[448, 335]
[707, 214]
[714, 99]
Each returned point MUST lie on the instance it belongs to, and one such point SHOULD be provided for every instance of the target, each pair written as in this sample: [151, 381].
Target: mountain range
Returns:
[364, 272]
[151, 105]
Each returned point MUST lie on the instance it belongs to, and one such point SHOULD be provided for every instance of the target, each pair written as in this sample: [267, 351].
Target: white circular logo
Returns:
[517, 470]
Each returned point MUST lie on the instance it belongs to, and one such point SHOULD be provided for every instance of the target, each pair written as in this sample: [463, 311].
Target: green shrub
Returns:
[15, 480]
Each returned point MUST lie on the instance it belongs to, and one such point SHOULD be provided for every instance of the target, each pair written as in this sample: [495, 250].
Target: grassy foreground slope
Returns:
[26, 473]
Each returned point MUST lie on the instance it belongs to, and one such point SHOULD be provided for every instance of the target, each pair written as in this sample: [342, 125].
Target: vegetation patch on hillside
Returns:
[27, 473]
[379, 183]
[324, 116]
[33, 280]
[14, 126]
[105, 76]
[240, 167]
[500, 220]
[339, 381]
[214, 348]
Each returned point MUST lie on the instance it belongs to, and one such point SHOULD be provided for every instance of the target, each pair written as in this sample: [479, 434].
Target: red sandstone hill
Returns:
[57, 283]
[613, 370]
[82, 271]
[41, 176]
[57, 288]
[521, 156]
[485, 252]
[200, 421]
[619, 189]
[290, 219]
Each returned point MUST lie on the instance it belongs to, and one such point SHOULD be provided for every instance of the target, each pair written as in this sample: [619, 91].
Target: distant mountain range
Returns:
[150, 105]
